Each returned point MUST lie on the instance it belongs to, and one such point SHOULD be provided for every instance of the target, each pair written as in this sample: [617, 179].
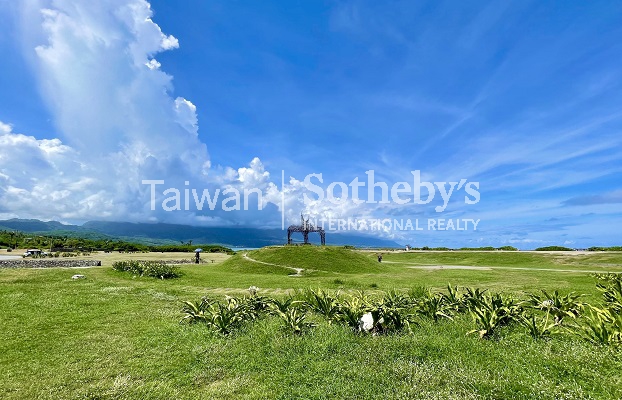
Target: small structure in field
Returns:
[305, 228]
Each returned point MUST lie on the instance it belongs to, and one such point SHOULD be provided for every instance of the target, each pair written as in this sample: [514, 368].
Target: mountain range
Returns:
[161, 233]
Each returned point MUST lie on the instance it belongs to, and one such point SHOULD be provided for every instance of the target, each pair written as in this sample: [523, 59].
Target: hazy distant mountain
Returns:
[34, 225]
[160, 233]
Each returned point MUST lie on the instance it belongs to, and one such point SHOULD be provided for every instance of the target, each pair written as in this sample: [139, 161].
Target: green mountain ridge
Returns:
[162, 233]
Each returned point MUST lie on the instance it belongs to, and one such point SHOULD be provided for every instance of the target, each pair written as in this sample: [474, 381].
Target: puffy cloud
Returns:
[169, 42]
[187, 115]
[40, 178]
[255, 175]
[44, 178]
[5, 128]
[120, 124]
[106, 91]
[153, 64]
[113, 107]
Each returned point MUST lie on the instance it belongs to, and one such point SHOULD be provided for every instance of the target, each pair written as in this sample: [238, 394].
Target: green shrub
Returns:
[255, 306]
[352, 308]
[556, 305]
[603, 325]
[554, 248]
[322, 303]
[600, 326]
[295, 321]
[434, 306]
[418, 292]
[390, 320]
[473, 295]
[538, 327]
[224, 318]
[508, 248]
[197, 311]
[394, 311]
[456, 302]
[490, 312]
[612, 248]
[277, 306]
[611, 287]
[154, 269]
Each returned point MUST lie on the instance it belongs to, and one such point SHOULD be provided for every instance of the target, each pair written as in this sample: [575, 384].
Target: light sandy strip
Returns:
[7, 258]
[510, 268]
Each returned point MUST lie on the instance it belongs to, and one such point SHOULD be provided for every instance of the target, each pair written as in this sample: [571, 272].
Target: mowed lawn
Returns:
[112, 335]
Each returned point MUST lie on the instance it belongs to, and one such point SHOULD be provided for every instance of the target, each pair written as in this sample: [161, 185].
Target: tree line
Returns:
[16, 239]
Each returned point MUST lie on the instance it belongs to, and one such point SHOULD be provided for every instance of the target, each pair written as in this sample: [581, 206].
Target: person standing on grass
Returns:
[197, 257]
[380, 257]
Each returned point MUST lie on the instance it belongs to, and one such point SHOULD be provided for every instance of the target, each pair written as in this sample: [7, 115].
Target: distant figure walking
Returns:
[197, 257]
[379, 257]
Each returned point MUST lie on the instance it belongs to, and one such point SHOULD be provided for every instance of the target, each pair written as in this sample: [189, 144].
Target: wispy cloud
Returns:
[605, 198]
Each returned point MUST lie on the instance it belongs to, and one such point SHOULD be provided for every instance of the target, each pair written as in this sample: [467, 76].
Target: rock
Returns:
[78, 276]
[366, 323]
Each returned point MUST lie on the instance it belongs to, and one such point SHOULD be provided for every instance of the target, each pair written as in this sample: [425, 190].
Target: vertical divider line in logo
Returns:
[282, 199]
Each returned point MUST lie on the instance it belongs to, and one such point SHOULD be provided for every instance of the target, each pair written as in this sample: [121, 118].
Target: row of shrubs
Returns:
[542, 315]
[154, 269]
[593, 248]
[486, 248]
[489, 248]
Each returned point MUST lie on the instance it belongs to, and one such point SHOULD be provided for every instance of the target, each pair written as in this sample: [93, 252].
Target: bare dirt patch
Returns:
[472, 267]
[449, 267]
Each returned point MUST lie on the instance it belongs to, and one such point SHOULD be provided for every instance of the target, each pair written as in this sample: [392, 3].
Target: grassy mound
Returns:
[239, 263]
[314, 258]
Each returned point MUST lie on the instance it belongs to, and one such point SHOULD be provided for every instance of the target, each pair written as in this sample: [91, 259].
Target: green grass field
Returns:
[113, 336]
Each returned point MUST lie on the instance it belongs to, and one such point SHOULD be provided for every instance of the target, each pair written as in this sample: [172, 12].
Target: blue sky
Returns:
[523, 97]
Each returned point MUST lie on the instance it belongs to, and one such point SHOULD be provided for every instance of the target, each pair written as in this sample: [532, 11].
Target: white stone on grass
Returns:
[366, 323]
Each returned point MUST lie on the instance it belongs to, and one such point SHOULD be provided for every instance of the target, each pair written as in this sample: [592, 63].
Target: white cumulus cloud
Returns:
[120, 123]
[113, 106]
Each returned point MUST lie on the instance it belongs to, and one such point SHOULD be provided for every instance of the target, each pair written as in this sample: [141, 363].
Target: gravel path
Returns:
[297, 270]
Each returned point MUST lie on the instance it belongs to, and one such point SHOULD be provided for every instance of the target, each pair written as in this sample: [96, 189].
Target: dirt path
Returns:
[297, 270]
